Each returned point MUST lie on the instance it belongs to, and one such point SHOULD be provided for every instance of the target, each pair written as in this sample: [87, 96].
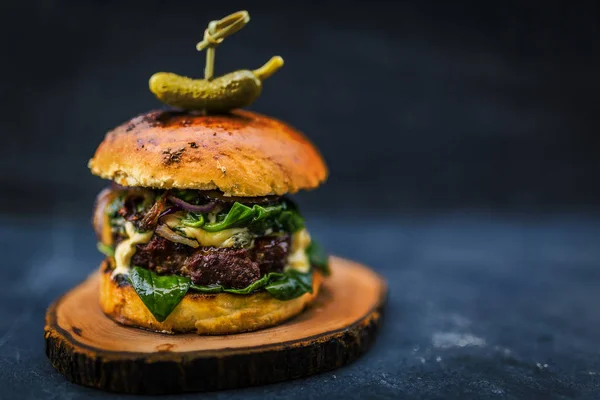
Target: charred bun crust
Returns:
[207, 314]
[241, 154]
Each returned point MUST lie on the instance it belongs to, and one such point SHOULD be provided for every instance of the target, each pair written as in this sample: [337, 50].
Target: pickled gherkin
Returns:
[234, 90]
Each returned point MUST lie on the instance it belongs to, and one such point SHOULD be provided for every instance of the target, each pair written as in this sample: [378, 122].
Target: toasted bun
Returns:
[240, 154]
[207, 314]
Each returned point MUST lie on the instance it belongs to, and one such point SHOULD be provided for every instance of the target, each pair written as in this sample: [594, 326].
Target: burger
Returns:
[197, 226]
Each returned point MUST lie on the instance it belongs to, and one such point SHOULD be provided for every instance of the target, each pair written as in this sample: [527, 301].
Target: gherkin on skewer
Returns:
[214, 95]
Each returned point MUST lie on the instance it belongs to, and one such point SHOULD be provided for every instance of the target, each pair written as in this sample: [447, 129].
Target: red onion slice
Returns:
[169, 210]
[217, 196]
[204, 208]
[167, 233]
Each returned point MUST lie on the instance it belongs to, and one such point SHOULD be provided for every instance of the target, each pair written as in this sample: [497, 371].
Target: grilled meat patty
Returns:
[230, 267]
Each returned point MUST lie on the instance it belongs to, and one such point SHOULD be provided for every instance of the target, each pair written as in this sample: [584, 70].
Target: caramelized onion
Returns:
[156, 211]
[202, 209]
[167, 233]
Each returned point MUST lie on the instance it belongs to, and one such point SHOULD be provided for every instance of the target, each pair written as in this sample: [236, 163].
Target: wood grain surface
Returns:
[92, 350]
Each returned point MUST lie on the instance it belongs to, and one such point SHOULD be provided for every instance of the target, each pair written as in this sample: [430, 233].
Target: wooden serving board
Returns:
[92, 350]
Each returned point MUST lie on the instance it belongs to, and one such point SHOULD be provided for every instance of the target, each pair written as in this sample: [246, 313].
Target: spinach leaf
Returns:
[254, 286]
[282, 286]
[318, 257]
[258, 218]
[194, 220]
[240, 214]
[265, 218]
[265, 213]
[290, 221]
[208, 289]
[237, 215]
[105, 249]
[160, 294]
[293, 284]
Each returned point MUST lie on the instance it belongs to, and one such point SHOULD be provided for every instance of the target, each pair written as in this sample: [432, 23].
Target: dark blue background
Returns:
[463, 144]
[413, 104]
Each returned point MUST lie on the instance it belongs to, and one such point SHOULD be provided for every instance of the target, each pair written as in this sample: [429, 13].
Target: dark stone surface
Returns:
[480, 306]
[424, 105]
[438, 103]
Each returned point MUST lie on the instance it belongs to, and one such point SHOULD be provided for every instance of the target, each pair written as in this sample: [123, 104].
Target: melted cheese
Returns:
[173, 220]
[217, 239]
[298, 259]
[126, 249]
[212, 217]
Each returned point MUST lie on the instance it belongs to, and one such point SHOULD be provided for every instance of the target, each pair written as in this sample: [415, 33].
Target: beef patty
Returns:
[230, 267]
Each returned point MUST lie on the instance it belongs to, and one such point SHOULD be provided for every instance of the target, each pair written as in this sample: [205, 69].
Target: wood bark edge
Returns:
[178, 372]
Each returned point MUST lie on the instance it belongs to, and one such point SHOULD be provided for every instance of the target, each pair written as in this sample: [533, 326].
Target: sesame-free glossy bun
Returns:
[205, 314]
[241, 154]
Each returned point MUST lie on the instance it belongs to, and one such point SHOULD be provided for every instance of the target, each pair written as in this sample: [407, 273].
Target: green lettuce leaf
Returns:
[160, 294]
[318, 257]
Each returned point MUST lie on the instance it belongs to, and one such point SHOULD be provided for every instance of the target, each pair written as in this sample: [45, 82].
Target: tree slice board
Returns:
[92, 350]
